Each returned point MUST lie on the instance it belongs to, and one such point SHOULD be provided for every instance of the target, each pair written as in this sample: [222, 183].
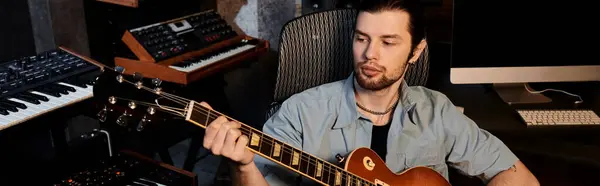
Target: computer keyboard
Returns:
[583, 117]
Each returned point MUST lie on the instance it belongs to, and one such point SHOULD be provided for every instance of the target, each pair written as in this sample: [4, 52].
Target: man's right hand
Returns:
[223, 137]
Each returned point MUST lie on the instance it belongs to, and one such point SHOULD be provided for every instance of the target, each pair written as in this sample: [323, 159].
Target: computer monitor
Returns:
[512, 43]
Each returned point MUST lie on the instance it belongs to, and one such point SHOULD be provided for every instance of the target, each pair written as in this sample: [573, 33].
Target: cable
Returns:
[555, 90]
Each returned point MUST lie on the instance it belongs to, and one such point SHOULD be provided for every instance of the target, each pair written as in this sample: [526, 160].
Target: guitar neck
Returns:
[280, 152]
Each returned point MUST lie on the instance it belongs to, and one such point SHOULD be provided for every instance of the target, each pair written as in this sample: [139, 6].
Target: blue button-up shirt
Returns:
[426, 130]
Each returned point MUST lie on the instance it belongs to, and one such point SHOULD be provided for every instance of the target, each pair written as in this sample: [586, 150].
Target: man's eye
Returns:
[388, 43]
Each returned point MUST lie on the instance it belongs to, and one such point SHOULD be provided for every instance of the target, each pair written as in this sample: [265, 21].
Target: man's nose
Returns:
[372, 51]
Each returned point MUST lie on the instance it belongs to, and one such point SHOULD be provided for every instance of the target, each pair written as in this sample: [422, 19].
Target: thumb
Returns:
[204, 104]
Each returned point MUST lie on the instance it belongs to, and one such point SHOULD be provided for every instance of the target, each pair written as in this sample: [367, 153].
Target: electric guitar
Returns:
[130, 98]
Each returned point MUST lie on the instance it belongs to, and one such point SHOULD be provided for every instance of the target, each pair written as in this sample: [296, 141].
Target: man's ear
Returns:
[417, 51]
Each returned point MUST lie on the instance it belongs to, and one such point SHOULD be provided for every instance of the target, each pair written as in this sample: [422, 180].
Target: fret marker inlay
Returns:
[338, 178]
[277, 150]
[319, 169]
[295, 158]
[255, 139]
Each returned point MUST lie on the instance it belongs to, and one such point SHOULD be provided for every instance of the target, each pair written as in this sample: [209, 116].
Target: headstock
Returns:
[132, 101]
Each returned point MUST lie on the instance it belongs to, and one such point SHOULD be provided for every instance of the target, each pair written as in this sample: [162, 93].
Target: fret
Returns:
[286, 155]
[206, 122]
[338, 177]
[266, 146]
[304, 164]
[319, 171]
[294, 159]
[349, 179]
[326, 174]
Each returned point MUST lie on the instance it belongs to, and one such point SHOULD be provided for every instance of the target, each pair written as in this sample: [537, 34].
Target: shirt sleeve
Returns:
[472, 150]
[285, 126]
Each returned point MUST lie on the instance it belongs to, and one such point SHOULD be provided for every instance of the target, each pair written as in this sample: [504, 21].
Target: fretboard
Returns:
[279, 152]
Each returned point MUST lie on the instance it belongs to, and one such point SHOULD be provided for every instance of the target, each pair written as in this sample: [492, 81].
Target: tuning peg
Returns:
[142, 124]
[138, 77]
[132, 105]
[120, 69]
[156, 82]
[112, 100]
[122, 119]
[120, 78]
[102, 114]
[151, 110]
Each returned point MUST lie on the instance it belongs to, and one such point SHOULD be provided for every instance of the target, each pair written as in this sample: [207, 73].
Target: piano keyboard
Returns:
[31, 104]
[36, 85]
[196, 63]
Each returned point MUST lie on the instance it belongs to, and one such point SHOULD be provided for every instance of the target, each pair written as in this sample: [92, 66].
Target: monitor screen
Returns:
[524, 33]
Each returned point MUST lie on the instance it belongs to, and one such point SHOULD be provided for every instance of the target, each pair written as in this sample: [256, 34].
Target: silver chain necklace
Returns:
[375, 112]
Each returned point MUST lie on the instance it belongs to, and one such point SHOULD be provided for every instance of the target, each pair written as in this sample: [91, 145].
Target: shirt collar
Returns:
[349, 112]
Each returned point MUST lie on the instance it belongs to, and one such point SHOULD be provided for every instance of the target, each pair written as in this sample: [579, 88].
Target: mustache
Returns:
[370, 65]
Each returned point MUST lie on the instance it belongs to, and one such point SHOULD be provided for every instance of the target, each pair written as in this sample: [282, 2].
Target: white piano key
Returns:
[214, 59]
[53, 103]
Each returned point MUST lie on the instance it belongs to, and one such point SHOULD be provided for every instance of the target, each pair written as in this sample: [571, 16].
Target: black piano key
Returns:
[56, 88]
[16, 104]
[8, 107]
[48, 91]
[28, 99]
[68, 88]
[76, 82]
[36, 96]
[3, 112]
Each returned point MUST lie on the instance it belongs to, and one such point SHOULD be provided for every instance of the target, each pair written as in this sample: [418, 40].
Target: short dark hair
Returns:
[414, 9]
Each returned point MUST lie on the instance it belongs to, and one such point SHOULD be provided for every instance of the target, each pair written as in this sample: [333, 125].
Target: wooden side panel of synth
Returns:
[128, 3]
[151, 70]
[136, 47]
[162, 71]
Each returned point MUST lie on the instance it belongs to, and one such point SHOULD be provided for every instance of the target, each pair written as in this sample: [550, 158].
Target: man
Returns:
[407, 126]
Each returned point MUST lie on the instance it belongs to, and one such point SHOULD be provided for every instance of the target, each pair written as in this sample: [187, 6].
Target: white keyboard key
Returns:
[214, 59]
[53, 103]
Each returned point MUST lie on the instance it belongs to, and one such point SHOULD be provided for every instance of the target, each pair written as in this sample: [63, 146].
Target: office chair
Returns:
[316, 49]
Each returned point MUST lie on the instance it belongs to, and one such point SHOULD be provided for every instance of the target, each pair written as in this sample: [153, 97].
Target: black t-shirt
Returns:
[379, 139]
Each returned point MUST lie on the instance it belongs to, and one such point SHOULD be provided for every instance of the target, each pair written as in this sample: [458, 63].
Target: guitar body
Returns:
[367, 164]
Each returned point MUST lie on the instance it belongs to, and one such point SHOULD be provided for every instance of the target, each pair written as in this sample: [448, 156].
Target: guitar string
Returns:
[289, 149]
[182, 101]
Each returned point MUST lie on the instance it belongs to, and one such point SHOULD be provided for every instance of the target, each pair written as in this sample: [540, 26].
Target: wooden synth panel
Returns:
[187, 48]
[163, 71]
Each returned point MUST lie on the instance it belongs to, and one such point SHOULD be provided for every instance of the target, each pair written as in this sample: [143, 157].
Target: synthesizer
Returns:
[35, 85]
[128, 168]
[185, 49]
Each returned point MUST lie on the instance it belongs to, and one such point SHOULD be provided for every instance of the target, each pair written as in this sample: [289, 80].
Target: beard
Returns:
[376, 83]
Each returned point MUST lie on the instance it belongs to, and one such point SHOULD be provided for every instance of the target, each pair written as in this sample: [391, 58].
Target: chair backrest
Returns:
[316, 48]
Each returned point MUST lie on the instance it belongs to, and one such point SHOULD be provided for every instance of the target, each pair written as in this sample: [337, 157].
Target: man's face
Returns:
[381, 46]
